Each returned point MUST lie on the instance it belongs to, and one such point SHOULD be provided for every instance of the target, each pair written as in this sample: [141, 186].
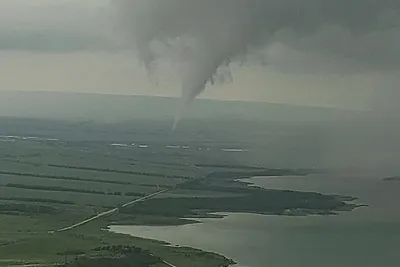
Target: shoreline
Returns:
[224, 260]
[245, 198]
[225, 195]
[246, 182]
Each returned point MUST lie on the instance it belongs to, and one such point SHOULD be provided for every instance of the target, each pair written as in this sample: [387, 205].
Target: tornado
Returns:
[202, 36]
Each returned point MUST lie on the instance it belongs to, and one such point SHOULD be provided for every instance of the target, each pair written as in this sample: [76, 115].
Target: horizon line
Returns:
[175, 97]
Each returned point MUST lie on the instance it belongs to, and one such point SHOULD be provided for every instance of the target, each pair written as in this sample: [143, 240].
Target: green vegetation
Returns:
[19, 208]
[38, 197]
[120, 255]
[63, 189]
[38, 200]
[55, 177]
[49, 185]
[254, 200]
[134, 194]
[227, 166]
[263, 172]
[28, 242]
[54, 188]
[120, 171]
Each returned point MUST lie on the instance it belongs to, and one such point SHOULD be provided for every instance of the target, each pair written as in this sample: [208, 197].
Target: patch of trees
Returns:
[38, 200]
[135, 194]
[54, 188]
[207, 184]
[247, 174]
[19, 208]
[120, 249]
[121, 171]
[72, 252]
[57, 177]
[230, 166]
[65, 189]
[117, 255]
[263, 202]
[161, 186]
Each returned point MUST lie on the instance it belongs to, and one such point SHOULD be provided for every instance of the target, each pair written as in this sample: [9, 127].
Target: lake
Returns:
[368, 236]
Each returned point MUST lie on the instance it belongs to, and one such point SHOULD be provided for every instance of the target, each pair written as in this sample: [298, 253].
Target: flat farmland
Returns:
[72, 186]
[93, 174]
[76, 199]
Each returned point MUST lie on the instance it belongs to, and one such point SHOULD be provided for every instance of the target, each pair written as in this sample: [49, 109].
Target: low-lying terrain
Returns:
[48, 183]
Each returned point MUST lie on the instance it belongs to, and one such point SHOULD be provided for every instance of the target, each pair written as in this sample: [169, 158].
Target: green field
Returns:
[48, 183]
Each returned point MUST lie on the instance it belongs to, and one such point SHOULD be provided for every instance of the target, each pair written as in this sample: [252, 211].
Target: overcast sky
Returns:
[346, 57]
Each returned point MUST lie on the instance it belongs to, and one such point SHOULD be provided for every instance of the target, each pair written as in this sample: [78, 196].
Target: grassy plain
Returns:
[48, 182]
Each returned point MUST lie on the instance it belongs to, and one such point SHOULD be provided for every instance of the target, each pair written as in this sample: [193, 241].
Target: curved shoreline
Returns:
[222, 214]
[217, 258]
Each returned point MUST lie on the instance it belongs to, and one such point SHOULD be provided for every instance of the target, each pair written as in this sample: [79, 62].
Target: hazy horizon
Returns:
[103, 107]
[132, 94]
[42, 48]
[332, 66]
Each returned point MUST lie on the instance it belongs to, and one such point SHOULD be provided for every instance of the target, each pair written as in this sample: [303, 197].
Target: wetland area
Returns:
[88, 202]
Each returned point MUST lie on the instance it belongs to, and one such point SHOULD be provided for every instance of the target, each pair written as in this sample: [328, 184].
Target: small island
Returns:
[392, 179]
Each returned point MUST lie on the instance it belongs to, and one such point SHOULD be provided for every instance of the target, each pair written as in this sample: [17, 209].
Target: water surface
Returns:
[367, 237]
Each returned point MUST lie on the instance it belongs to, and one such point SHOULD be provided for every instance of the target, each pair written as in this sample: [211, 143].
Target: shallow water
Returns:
[368, 236]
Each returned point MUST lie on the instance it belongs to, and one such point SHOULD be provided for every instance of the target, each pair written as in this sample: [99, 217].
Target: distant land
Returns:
[392, 179]
[59, 105]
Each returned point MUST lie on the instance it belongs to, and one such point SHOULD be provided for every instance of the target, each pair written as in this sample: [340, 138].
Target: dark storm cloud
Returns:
[205, 35]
